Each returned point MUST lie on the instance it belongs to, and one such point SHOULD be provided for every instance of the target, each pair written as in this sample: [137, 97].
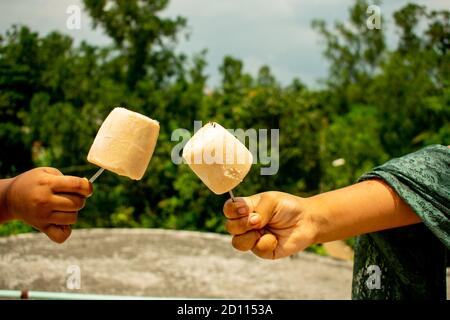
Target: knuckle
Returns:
[41, 201]
[44, 182]
[269, 196]
[51, 170]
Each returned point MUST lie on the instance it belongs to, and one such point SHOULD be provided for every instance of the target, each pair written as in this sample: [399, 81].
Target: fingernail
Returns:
[255, 219]
[90, 187]
[242, 210]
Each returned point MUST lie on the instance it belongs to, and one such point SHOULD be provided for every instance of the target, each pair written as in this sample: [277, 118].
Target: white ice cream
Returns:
[125, 143]
[218, 158]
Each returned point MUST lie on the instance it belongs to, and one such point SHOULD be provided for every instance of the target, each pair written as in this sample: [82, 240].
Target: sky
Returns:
[277, 33]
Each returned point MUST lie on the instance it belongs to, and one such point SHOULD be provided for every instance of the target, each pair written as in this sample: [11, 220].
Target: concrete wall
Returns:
[163, 263]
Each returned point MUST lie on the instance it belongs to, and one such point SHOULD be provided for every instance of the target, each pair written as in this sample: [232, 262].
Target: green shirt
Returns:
[409, 262]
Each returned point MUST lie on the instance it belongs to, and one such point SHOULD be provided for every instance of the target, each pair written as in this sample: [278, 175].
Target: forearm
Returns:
[5, 215]
[364, 207]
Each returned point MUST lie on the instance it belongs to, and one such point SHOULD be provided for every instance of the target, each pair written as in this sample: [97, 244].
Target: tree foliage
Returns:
[376, 103]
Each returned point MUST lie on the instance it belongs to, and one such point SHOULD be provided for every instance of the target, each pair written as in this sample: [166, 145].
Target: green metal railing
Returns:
[44, 295]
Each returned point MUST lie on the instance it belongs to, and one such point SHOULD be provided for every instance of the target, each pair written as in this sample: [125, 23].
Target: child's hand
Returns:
[47, 200]
[271, 224]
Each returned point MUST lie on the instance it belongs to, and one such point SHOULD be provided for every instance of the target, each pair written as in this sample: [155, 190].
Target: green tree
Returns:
[376, 103]
[145, 38]
[354, 53]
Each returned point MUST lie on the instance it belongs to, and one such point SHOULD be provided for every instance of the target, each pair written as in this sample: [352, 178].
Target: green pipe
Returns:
[16, 294]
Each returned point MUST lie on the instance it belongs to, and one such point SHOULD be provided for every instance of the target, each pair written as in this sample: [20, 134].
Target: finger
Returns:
[246, 241]
[67, 202]
[265, 246]
[71, 184]
[244, 224]
[263, 204]
[58, 234]
[63, 218]
[235, 209]
[52, 171]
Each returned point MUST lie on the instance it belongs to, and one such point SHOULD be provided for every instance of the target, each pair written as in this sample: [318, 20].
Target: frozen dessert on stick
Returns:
[218, 158]
[124, 143]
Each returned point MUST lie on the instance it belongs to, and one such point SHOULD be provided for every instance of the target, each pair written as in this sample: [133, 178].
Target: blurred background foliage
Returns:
[377, 102]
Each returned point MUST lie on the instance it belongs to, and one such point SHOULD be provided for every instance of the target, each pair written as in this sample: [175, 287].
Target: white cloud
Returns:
[277, 33]
[46, 16]
[273, 32]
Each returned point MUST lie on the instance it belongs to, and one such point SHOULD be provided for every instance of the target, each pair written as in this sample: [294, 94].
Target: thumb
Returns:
[260, 208]
[263, 207]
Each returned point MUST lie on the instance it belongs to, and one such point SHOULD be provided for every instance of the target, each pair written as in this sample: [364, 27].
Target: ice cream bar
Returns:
[125, 143]
[217, 157]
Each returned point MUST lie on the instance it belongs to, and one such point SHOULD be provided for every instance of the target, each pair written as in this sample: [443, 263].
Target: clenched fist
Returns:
[271, 224]
[45, 199]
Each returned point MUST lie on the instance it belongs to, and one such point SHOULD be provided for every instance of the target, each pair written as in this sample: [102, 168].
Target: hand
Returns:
[275, 224]
[271, 224]
[47, 200]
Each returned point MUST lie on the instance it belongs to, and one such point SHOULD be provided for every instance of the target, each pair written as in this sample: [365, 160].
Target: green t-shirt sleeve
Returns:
[422, 179]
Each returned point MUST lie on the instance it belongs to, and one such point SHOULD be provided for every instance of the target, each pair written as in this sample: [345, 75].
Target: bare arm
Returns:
[275, 224]
[364, 207]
